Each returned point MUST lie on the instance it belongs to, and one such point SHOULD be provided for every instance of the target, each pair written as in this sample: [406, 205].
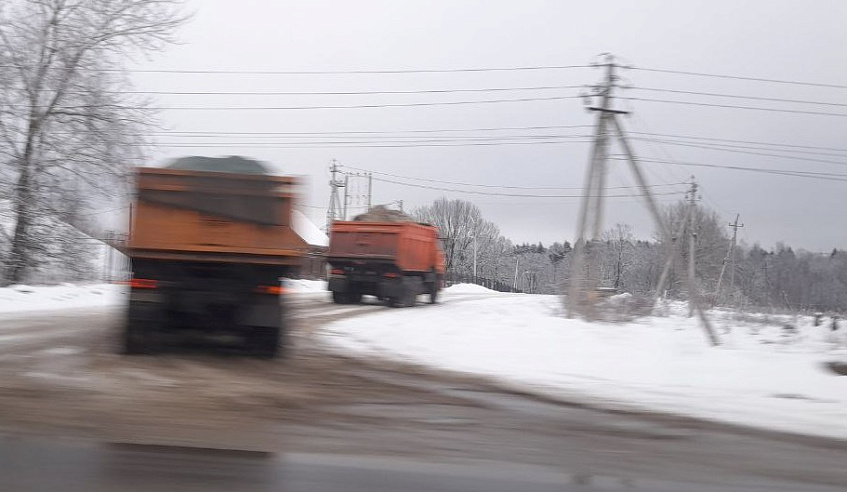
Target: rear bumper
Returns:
[204, 311]
[375, 286]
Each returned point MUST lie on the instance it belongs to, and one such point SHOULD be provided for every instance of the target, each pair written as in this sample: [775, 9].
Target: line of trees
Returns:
[777, 278]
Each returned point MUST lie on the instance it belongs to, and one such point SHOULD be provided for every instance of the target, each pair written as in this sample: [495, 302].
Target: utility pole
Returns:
[474, 258]
[370, 190]
[735, 225]
[346, 194]
[592, 199]
[592, 189]
[692, 239]
[517, 262]
[730, 257]
[334, 212]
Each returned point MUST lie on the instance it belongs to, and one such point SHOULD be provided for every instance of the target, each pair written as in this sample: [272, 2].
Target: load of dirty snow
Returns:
[763, 375]
[381, 213]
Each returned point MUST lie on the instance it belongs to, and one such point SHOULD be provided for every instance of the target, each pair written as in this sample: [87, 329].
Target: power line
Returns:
[354, 106]
[382, 138]
[737, 77]
[343, 93]
[737, 96]
[747, 152]
[490, 193]
[544, 127]
[693, 137]
[732, 106]
[354, 72]
[802, 174]
[487, 185]
[362, 145]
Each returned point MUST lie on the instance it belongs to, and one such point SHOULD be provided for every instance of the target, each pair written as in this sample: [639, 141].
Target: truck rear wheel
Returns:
[410, 298]
[136, 338]
[433, 294]
[265, 342]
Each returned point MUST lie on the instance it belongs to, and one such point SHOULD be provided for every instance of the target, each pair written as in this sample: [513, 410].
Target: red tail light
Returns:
[143, 283]
[391, 275]
[336, 271]
[270, 289]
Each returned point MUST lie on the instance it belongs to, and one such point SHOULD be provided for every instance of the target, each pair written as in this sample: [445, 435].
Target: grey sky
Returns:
[767, 39]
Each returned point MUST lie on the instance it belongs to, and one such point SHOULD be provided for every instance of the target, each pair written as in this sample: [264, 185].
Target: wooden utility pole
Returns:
[592, 199]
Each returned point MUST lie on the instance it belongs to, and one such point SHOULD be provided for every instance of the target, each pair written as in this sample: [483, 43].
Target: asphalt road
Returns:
[76, 416]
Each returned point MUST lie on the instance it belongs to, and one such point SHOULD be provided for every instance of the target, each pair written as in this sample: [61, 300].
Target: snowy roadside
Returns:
[26, 300]
[761, 376]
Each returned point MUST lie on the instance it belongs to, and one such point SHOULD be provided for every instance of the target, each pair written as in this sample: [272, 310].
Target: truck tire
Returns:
[354, 297]
[433, 294]
[410, 298]
[339, 297]
[265, 342]
[136, 340]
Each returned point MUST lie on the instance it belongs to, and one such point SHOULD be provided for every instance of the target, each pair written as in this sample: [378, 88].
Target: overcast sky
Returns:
[792, 41]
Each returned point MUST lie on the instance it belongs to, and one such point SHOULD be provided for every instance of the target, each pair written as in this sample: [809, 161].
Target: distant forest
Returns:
[751, 277]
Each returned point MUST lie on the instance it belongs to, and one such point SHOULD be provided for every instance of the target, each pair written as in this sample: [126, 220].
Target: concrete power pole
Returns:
[730, 257]
[735, 225]
[692, 240]
[591, 204]
[334, 212]
[592, 199]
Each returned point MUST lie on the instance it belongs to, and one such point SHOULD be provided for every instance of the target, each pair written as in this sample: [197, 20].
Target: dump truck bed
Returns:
[410, 246]
[214, 217]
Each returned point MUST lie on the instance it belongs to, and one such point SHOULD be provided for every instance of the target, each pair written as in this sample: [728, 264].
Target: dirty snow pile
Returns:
[762, 375]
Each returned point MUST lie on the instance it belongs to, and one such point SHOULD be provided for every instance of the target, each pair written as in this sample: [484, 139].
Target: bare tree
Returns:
[710, 242]
[620, 250]
[460, 224]
[66, 123]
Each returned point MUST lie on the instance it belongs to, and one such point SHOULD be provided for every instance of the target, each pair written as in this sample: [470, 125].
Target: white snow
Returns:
[307, 230]
[304, 286]
[28, 299]
[468, 289]
[760, 376]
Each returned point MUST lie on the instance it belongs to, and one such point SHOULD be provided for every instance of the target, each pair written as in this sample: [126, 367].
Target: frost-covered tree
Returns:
[67, 124]
[463, 230]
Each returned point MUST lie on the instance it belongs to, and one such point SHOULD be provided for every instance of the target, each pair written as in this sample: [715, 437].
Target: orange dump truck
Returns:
[394, 261]
[210, 239]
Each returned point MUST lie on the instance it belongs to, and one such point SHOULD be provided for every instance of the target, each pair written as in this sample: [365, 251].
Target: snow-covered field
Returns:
[760, 376]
